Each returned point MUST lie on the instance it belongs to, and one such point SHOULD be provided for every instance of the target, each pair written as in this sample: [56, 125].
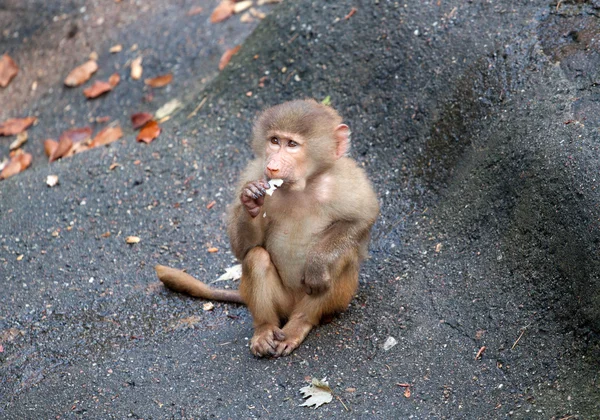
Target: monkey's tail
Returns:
[182, 282]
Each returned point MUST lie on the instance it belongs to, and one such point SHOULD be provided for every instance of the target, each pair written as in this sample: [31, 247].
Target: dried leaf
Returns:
[106, 136]
[438, 247]
[20, 141]
[81, 74]
[8, 70]
[136, 68]
[232, 273]
[12, 168]
[227, 56]
[50, 146]
[351, 13]
[257, 13]
[389, 343]
[140, 119]
[132, 239]
[195, 11]
[77, 134]
[149, 132]
[97, 89]
[116, 48]
[240, 6]
[159, 81]
[212, 250]
[52, 180]
[211, 205]
[114, 79]
[318, 393]
[407, 392]
[222, 12]
[64, 145]
[246, 18]
[15, 125]
[77, 148]
[208, 306]
[18, 163]
[167, 109]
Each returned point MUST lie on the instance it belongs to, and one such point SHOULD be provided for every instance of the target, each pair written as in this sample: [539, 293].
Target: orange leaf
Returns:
[97, 89]
[77, 148]
[50, 146]
[25, 160]
[227, 56]
[114, 79]
[140, 119]
[159, 81]
[63, 147]
[107, 136]
[222, 12]
[8, 70]
[18, 163]
[407, 392]
[12, 168]
[15, 125]
[213, 250]
[81, 74]
[149, 132]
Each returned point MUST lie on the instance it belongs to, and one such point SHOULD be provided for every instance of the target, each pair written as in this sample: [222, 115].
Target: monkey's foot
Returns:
[295, 332]
[266, 340]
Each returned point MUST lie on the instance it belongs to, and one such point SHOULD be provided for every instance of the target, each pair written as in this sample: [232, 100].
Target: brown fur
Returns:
[300, 248]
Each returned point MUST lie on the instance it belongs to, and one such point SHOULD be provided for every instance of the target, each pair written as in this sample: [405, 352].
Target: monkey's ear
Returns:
[342, 140]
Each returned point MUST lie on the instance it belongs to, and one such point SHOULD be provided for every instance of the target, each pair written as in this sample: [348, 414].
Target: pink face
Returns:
[285, 157]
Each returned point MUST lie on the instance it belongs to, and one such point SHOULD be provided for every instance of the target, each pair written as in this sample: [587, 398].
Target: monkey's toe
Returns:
[285, 348]
[266, 341]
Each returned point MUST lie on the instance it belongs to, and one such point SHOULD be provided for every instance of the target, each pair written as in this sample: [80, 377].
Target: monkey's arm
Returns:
[340, 243]
[245, 232]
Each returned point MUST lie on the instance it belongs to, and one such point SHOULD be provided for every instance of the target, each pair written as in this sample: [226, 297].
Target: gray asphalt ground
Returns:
[478, 123]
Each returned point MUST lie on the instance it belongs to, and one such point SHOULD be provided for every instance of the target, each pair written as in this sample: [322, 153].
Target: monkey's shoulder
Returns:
[352, 191]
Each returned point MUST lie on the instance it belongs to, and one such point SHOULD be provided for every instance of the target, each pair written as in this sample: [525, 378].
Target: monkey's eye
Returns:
[274, 140]
[292, 143]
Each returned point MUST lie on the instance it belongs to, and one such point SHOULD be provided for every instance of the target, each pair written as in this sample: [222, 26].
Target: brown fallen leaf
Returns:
[222, 12]
[211, 205]
[195, 11]
[212, 250]
[8, 70]
[140, 119]
[20, 141]
[136, 68]
[159, 81]
[227, 56]
[81, 74]
[15, 125]
[480, 352]
[116, 48]
[50, 146]
[78, 147]
[12, 168]
[407, 392]
[97, 89]
[106, 136]
[149, 132]
[105, 235]
[114, 79]
[18, 163]
[246, 18]
[64, 145]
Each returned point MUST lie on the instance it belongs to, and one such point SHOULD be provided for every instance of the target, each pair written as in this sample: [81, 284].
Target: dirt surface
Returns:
[476, 121]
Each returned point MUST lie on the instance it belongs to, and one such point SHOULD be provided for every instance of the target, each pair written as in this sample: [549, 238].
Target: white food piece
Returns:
[273, 185]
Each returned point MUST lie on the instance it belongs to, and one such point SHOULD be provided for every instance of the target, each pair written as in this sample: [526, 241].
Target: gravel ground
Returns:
[476, 121]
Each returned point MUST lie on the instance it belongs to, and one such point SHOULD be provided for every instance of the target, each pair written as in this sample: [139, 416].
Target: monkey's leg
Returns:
[266, 298]
[311, 309]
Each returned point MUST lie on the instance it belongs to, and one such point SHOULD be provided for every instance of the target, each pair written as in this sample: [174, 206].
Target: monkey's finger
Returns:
[255, 190]
[248, 193]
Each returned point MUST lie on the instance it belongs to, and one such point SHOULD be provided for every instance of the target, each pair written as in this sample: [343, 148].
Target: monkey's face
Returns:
[286, 157]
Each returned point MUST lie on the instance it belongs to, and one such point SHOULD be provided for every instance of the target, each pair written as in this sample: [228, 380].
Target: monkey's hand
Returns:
[253, 196]
[316, 278]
